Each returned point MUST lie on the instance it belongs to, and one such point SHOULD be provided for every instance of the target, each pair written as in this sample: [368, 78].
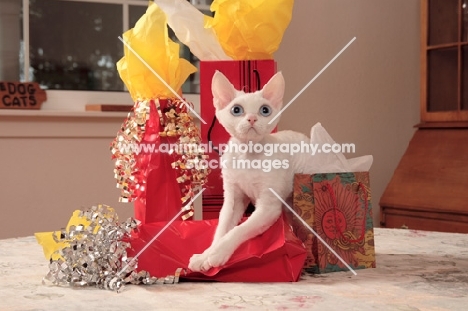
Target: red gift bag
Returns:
[277, 255]
[151, 170]
[249, 76]
[161, 199]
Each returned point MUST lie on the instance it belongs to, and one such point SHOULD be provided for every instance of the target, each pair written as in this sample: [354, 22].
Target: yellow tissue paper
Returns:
[149, 41]
[250, 29]
[49, 243]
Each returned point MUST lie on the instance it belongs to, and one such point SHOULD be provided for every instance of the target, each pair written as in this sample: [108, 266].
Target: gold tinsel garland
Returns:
[176, 122]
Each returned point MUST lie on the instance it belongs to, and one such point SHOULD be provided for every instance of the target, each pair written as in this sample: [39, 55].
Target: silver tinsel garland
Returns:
[96, 254]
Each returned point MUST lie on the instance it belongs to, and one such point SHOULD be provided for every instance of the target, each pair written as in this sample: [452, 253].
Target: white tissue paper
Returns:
[188, 25]
[334, 162]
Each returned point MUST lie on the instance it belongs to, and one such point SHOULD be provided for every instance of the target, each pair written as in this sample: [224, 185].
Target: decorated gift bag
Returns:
[337, 206]
[152, 167]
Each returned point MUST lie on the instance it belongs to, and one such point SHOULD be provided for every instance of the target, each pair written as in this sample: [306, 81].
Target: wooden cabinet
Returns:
[428, 190]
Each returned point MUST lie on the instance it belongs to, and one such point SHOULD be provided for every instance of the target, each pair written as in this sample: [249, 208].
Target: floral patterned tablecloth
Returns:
[416, 270]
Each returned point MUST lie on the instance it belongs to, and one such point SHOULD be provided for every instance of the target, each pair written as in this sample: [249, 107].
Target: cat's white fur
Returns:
[242, 186]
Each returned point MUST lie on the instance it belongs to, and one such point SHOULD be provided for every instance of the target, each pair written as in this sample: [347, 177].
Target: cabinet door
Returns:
[444, 60]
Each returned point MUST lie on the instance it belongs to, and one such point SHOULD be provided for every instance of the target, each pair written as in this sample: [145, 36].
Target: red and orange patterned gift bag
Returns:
[337, 206]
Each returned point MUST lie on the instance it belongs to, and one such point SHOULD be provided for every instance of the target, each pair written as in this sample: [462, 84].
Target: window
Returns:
[73, 45]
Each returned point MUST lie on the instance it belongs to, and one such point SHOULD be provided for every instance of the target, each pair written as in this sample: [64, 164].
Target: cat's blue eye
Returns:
[265, 110]
[237, 110]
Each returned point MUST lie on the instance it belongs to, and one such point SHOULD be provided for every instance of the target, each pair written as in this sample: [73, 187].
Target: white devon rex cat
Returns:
[245, 116]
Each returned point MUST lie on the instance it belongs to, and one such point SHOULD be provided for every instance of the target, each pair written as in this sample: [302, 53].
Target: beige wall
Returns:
[51, 166]
[370, 95]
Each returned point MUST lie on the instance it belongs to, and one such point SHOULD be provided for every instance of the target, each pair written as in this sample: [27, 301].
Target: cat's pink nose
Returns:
[252, 119]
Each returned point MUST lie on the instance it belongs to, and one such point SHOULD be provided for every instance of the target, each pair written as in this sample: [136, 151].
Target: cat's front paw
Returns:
[209, 259]
[217, 258]
[197, 263]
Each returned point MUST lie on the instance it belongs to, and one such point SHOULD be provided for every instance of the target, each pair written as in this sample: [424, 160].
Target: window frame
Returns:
[456, 115]
[76, 100]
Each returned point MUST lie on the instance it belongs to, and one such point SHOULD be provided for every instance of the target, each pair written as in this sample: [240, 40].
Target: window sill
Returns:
[61, 113]
[75, 101]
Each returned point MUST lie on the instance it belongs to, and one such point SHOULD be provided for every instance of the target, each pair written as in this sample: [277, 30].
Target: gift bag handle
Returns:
[335, 208]
[257, 79]
[210, 142]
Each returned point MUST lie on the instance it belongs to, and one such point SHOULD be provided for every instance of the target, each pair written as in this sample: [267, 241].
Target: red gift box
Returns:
[277, 255]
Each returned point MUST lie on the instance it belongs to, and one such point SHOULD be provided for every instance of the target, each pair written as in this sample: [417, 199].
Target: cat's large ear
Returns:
[223, 91]
[273, 91]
